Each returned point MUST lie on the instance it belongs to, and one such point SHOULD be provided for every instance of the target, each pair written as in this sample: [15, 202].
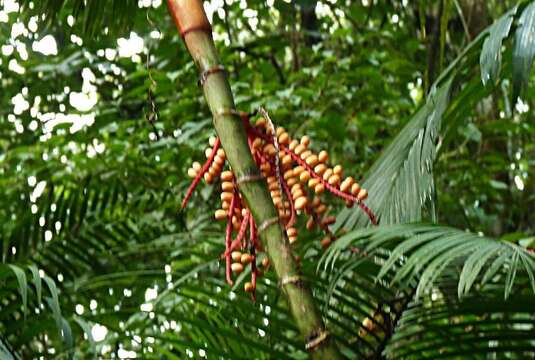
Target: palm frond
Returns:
[491, 56]
[524, 50]
[425, 253]
[446, 288]
[479, 326]
[91, 17]
[401, 179]
[400, 182]
[28, 307]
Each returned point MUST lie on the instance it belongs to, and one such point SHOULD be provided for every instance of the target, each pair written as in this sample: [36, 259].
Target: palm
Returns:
[103, 245]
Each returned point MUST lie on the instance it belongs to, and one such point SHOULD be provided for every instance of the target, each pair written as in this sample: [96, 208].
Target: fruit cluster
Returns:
[296, 178]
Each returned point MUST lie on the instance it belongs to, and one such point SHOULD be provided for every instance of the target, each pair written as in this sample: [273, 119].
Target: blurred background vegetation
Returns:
[98, 262]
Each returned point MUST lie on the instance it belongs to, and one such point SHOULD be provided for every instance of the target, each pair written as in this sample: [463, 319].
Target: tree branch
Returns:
[196, 31]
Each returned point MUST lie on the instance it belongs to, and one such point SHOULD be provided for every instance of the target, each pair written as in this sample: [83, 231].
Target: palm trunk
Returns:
[196, 31]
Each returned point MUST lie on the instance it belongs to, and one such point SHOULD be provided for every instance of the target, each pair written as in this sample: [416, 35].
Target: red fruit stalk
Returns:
[201, 173]
[228, 238]
[330, 187]
[241, 234]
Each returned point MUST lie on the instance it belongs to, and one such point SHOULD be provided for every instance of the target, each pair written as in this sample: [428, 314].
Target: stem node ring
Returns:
[214, 70]
[267, 223]
[316, 339]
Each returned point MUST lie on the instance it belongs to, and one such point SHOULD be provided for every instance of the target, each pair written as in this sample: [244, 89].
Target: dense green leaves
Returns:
[491, 54]
[91, 16]
[99, 263]
[470, 325]
[524, 49]
[425, 253]
[21, 279]
[401, 178]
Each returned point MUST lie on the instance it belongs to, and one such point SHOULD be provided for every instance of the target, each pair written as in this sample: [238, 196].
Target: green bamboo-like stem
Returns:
[193, 25]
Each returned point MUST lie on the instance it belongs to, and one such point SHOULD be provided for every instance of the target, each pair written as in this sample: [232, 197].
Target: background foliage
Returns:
[417, 98]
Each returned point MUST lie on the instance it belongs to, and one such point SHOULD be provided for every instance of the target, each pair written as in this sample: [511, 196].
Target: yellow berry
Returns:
[362, 195]
[213, 172]
[227, 186]
[320, 209]
[248, 287]
[227, 176]
[305, 154]
[323, 156]
[327, 174]
[346, 184]
[257, 142]
[298, 170]
[310, 224]
[293, 145]
[208, 178]
[301, 202]
[196, 166]
[288, 174]
[217, 167]
[192, 173]
[334, 180]
[355, 189]
[236, 267]
[284, 138]
[337, 170]
[295, 187]
[313, 182]
[270, 150]
[265, 167]
[246, 259]
[211, 140]
[320, 169]
[219, 160]
[297, 194]
[235, 223]
[329, 220]
[286, 160]
[226, 196]
[291, 231]
[261, 122]
[312, 160]
[305, 175]
[236, 255]
[291, 181]
[299, 149]
[280, 130]
[305, 140]
[367, 326]
[220, 214]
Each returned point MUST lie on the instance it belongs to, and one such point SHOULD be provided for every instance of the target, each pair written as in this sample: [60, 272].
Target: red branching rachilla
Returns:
[290, 167]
